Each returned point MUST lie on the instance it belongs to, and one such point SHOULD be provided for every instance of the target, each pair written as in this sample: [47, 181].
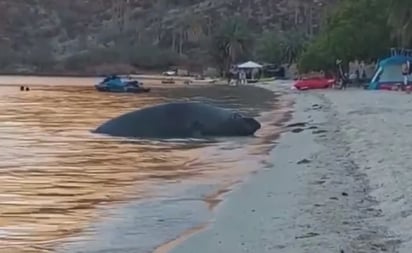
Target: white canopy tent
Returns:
[249, 65]
[251, 71]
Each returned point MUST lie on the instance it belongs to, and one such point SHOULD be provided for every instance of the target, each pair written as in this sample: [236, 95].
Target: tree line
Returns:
[229, 42]
[359, 30]
[356, 29]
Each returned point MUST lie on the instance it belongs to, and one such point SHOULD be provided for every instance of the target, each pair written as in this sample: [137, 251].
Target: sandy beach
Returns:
[340, 182]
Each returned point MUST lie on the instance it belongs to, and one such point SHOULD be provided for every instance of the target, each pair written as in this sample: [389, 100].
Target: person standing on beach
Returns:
[362, 67]
[340, 75]
[405, 73]
[242, 77]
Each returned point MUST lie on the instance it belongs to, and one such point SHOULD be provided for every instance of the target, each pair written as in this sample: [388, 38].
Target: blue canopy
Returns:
[395, 60]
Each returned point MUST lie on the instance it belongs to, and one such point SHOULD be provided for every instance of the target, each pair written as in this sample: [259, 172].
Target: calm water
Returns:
[64, 189]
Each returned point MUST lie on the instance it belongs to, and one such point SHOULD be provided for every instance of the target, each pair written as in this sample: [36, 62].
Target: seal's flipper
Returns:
[196, 130]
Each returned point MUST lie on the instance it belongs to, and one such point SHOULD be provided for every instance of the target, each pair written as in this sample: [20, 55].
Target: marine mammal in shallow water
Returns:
[180, 120]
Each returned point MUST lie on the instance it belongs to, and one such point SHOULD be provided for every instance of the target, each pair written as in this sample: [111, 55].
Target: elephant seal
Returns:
[180, 120]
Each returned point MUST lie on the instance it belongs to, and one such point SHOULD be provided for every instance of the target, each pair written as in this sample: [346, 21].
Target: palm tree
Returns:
[230, 42]
[400, 18]
[268, 48]
[188, 29]
[294, 44]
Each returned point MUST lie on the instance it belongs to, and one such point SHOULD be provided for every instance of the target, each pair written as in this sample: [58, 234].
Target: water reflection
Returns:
[54, 173]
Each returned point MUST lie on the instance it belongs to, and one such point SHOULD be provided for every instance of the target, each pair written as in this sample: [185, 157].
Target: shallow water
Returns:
[65, 189]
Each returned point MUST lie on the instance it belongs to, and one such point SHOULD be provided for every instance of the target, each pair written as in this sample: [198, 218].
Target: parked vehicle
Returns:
[314, 83]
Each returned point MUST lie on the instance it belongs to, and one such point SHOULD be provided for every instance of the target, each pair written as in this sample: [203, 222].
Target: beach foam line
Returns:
[281, 113]
[169, 246]
[212, 200]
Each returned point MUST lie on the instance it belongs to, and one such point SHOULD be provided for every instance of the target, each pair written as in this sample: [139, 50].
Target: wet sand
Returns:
[340, 182]
[64, 189]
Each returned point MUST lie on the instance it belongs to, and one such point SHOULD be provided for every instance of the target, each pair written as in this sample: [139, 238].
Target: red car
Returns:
[314, 83]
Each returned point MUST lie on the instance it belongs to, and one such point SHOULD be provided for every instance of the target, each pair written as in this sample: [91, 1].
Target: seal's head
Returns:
[238, 125]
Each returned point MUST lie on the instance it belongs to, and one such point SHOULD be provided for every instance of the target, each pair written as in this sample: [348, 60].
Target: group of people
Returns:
[360, 74]
[236, 77]
[357, 74]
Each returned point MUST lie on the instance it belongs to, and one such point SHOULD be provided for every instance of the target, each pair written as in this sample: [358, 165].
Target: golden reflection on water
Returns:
[54, 173]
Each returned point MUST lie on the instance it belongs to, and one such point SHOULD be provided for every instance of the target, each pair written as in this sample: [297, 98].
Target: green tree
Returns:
[230, 43]
[318, 56]
[269, 48]
[400, 20]
[295, 43]
[355, 31]
[152, 57]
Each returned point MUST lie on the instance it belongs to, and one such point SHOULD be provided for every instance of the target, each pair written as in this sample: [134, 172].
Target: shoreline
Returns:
[154, 76]
[155, 81]
[150, 79]
[215, 199]
[319, 196]
[205, 202]
[49, 75]
[212, 200]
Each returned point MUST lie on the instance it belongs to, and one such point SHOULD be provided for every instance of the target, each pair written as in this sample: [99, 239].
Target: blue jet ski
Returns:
[116, 84]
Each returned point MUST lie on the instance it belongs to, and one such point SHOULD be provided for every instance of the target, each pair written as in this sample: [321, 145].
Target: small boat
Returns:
[116, 84]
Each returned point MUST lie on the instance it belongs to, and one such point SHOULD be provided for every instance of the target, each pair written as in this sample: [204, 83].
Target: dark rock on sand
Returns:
[298, 124]
[304, 161]
[319, 131]
[297, 130]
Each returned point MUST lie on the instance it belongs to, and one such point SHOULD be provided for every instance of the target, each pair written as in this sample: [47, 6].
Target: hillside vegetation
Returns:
[83, 36]
[360, 30]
